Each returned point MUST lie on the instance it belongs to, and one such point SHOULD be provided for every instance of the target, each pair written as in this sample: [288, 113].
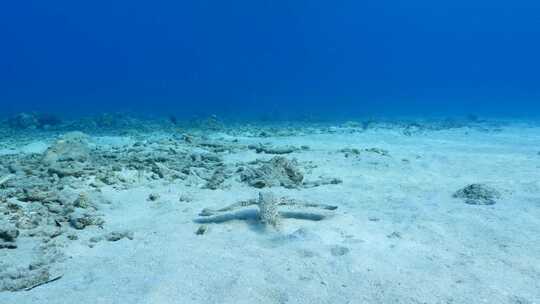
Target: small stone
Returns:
[153, 197]
[379, 151]
[36, 265]
[339, 250]
[394, 235]
[350, 151]
[6, 245]
[201, 230]
[8, 233]
[185, 198]
[118, 235]
[305, 253]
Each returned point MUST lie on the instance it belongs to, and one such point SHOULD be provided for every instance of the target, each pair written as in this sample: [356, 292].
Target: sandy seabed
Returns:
[117, 218]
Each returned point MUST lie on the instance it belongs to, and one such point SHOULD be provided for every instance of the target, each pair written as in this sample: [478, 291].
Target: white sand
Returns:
[397, 237]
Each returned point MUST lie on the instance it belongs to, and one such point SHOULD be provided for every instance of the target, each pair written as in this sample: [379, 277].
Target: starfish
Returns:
[268, 205]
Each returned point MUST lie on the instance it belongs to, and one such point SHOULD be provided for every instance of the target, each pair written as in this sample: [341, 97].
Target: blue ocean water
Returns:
[287, 58]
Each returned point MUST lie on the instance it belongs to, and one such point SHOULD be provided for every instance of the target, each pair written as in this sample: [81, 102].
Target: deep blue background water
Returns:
[343, 58]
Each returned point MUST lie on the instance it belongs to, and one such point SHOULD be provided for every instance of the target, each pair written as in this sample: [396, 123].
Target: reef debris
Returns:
[269, 149]
[24, 121]
[5, 179]
[278, 171]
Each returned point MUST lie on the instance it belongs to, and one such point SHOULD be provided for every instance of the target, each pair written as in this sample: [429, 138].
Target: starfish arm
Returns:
[237, 205]
[295, 203]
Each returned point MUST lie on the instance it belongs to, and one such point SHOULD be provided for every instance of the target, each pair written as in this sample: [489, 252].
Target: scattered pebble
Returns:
[394, 235]
[118, 235]
[6, 245]
[185, 198]
[201, 230]
[153, 197]
[8, 233]
[113, 236]
[339, 250]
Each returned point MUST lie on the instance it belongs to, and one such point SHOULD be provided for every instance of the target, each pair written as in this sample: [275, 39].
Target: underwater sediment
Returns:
[296, 212]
